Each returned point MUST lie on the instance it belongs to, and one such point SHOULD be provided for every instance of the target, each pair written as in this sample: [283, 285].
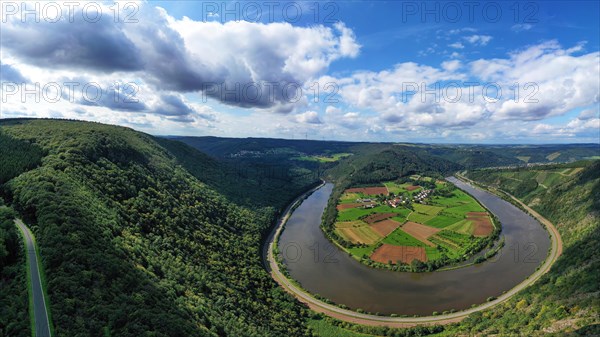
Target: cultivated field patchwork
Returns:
[422, 219]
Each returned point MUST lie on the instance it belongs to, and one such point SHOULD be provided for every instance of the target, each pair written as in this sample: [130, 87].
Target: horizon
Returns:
[459, 73]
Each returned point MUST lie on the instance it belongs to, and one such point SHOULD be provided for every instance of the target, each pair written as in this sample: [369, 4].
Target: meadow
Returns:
[443, 224]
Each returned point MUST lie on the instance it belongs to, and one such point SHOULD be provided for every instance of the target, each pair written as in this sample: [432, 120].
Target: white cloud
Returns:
[456, 45]
[564, 83]
[520, 27]
[590, 113]
[186, 55]
[308, 117]
[478, 40]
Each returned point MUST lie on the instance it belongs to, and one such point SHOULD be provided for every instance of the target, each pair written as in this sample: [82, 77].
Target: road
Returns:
[400, 322]
[40, 312]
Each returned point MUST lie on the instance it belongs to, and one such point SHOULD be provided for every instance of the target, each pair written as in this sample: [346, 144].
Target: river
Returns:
[322, 268]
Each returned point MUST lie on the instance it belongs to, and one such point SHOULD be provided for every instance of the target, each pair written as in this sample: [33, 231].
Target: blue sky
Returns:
[444, 72]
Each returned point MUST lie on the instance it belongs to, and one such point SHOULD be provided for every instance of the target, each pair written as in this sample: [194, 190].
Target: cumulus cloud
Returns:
[263, 68]
[100, 45]
[478, 40]
[456, 97]
[308, 117]
[589, 113]
[456, 45]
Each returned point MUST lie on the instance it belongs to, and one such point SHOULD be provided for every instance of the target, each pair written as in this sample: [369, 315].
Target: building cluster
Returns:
[397, 201]
[367, 203]
[419, 197]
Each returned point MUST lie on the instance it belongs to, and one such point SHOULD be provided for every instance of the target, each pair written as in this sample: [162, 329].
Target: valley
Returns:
[154, 230]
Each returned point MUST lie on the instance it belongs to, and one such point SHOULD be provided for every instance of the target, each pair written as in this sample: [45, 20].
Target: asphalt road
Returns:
[399, 322]
[40, 313]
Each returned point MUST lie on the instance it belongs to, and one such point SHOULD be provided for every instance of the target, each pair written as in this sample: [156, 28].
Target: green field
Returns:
[324, 158]
[356, 213]
[348, 198]
[463, 226]
[424, 213]
[446, 210]
[432, 253]
[442, 221]
[361, 251]
[399, 238]
[400, 189]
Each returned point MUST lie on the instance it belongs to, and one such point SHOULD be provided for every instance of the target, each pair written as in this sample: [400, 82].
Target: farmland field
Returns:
[385, 227]
[357, 232]
[401, 238]
[324, 158]
[420, 232]
[437, 218]
[392, 254]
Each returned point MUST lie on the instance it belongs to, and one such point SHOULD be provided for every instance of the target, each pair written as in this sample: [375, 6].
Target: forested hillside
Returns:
[135, 245]
[146, 236]
[14, 317]
[259, 182]
[566, 299]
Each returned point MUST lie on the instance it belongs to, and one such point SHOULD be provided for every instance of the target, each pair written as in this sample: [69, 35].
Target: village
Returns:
[396, 200]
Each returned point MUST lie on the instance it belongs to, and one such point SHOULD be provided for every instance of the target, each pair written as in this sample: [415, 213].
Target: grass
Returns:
[324, 159]
[348, 198]
[400, 238]
[463, 226]
[399, 189]
[424, 213]
[351, 214]
[458, 238]
[461, 211]
[446, 213]
[432, 253]
[524, 158]
[361, 251]
[442, 221]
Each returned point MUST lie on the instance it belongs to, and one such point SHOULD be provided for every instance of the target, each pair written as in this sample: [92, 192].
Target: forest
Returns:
[135, 245]
[14, 306]
[148, 236]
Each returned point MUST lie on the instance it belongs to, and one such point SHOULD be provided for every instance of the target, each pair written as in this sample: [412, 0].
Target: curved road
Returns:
[40, 313]
[399, 322]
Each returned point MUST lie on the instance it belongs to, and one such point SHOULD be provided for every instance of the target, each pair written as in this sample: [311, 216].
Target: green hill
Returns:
[133, 244]
[566, 299]
[147, 236]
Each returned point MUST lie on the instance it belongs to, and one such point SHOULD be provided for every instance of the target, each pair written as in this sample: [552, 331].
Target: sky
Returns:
[396, 71]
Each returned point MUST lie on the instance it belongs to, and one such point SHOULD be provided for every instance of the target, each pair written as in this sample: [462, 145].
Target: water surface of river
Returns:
[324, 269]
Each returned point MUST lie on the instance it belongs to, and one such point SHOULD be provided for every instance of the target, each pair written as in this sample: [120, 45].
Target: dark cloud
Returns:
[174, 107]
[9, 73]
[114, 100]
[245, 66]
[98, 45]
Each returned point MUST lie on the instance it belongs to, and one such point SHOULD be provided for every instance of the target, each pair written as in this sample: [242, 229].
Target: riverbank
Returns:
[367, 319]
